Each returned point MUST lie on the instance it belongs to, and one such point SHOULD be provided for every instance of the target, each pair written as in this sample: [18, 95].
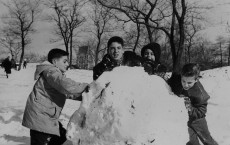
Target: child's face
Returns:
[61, 63]
[149, 54]
[188, 82]
[115, 50]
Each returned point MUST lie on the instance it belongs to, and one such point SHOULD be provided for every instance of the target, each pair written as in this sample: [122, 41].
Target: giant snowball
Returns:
[134, 109]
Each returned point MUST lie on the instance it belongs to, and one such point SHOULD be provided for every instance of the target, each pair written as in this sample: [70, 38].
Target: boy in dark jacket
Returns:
[151, 59]
[47, 99]
[115, 57]
[196, 101]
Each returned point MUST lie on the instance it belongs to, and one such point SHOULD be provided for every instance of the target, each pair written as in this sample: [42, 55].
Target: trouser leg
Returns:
[59, 140]
[193, 138]
[200, 127]
[39, 138]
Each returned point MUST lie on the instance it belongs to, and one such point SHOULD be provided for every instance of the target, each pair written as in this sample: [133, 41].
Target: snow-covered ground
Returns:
[15, 90]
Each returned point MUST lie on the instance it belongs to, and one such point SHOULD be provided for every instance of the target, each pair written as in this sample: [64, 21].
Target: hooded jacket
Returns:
[156, 49]
[47, 99]
[152, 67]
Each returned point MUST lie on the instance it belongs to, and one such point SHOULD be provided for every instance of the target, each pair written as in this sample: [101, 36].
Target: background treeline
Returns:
[83, 27]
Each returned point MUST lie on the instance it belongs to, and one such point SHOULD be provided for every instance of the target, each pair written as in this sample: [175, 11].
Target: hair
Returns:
[190, 70]
[131, 59]
[156, 49]
[115, 39]
[56, 53]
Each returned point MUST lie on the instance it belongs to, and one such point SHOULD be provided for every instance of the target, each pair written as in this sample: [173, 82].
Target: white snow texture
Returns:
[135, 109]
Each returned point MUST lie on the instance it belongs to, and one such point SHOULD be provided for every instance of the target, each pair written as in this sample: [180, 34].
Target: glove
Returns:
[161, 74]
[187, 103]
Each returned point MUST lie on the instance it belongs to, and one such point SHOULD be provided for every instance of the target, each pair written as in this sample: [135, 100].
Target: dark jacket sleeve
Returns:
[197, 112]
[175, 83]
[131, 59]
[199, 100]
[105, 65]
[161, 71]
[98, 70]
[161, 68]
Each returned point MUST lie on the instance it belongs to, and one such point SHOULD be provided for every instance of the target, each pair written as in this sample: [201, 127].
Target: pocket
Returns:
[45, 106]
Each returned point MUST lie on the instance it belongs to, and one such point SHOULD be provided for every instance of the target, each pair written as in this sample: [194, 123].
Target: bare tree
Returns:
[220, 41]
[133, 36]
[146, 12]
[209, 54]
[228, 30]
[67, 19]
[228, 53]
[168, 16]
[21, 18]
[134, 33]
[194, 21]
[10, 41]
[103, 24]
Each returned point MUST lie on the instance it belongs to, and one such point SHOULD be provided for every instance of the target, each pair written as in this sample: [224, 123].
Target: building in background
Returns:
[82, 57]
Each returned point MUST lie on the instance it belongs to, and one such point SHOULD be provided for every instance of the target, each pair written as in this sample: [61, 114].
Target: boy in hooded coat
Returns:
[151, 59]
[47, 99]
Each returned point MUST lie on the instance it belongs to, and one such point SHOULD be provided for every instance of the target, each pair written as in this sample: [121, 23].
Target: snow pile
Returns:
[134, 109]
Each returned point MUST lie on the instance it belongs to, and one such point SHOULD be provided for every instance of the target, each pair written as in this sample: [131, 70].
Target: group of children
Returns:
[116, 56]
[52, 88]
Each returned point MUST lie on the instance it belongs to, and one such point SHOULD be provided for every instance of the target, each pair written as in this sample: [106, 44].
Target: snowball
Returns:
[133, 109]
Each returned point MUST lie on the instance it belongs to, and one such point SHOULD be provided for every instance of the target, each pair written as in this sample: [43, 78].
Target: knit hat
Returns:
[155, 47]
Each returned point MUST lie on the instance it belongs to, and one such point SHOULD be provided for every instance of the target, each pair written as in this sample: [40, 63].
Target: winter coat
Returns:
[152, 67]
[7, 65]
[199, 101]
[47, 99]
[197, 95]
[107, 63]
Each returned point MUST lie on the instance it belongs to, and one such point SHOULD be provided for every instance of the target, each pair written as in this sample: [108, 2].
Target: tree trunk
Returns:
[172, 44]
[67, 48]
[138, 36]
[177, 61]
[189, 55]
[177, 54]
[181, 47]
[22, 54]
[149, 32]
[71, 50]
[97, 51]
